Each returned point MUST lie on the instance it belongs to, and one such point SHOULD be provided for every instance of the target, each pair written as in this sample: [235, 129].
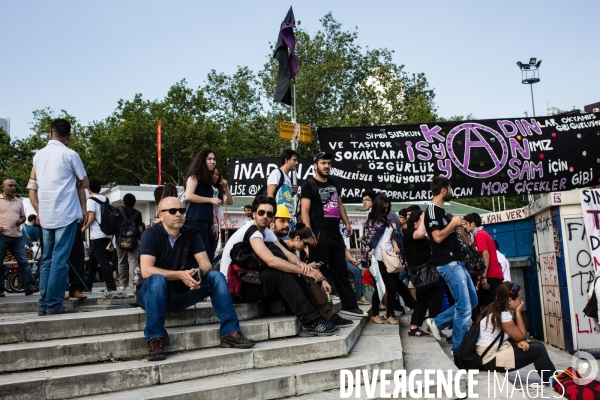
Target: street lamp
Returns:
[530, 74]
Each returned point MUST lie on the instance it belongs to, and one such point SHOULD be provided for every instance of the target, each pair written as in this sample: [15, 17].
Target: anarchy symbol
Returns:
[473, 129]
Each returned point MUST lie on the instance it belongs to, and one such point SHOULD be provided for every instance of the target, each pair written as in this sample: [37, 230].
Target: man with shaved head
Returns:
[12, 215]
[176, 274]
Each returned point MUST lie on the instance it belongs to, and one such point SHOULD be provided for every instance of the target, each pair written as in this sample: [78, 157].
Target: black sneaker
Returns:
[356, 312]
[418, 332]
[157, 349]
[319, 328]
[237, 340]
[341, 322]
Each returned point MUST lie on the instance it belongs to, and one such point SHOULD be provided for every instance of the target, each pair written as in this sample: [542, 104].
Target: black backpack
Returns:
[127, 237]
[243, 255]
[473, 261]
[465, 356]
[109, 217]
[263, 190]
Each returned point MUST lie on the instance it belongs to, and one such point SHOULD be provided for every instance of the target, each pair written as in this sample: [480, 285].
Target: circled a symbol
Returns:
[480, 141]
[252, 190]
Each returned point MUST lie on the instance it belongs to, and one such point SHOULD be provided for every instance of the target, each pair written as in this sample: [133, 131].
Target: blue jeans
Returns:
[465, 297]
[156, 298]
[54, 273]
[16, 247]
[357, 276]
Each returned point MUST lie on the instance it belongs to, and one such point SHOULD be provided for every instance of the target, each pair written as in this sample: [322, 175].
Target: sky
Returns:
[83, 56]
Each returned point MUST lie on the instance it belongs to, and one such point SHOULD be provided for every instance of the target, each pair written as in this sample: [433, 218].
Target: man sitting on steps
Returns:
[167, 254]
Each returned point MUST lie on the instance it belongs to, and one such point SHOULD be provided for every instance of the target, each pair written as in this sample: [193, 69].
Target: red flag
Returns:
[159, 142]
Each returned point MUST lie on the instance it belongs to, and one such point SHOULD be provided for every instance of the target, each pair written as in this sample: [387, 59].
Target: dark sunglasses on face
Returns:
[270, 214]
[173, 211]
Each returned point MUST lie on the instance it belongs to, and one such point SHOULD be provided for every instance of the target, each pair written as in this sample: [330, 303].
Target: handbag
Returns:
[393, 262]
[591, 308]
[424, 275]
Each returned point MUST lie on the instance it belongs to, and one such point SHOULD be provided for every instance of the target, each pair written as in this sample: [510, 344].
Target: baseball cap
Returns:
[322, 155]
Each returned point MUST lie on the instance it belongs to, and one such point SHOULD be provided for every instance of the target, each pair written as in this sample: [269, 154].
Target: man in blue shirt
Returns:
[30, 231]
[176, 274]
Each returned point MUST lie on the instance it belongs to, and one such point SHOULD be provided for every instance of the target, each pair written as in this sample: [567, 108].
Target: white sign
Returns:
[590, 207]
[504, 216]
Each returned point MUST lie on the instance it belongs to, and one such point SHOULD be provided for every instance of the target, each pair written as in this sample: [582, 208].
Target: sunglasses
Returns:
[261, 213]
[173, 211]
[513, 288]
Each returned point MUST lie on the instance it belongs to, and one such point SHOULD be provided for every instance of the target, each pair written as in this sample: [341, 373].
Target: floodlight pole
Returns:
[532, 103]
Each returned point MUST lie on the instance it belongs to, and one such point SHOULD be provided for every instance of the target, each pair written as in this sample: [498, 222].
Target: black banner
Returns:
[482, 158]
[246, 177]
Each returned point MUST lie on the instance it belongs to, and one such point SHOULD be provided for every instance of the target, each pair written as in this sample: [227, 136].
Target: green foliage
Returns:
[486, 202]
[339, 84]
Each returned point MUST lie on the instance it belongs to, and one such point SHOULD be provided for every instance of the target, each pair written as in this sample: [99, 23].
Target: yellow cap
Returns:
[282, 212]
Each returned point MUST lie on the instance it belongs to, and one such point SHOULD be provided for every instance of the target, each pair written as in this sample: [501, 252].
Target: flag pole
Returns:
[158, 148]
[295, 138]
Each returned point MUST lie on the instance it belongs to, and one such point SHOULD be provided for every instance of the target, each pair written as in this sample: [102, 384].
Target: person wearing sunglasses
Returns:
[176, 273]
[280, 270]
[513, 352]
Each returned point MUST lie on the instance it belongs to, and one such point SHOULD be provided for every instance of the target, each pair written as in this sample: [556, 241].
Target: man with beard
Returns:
[281, 228]
[448, 259]
[321, 210]
[278, 277]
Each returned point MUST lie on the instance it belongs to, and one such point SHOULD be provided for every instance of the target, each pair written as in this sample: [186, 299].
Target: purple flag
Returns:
[288, 63]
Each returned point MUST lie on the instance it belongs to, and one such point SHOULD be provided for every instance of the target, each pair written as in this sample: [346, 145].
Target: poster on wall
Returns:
[590, 207]
[514, 156]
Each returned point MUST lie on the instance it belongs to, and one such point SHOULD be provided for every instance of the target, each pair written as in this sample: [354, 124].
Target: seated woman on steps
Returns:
[515, 352]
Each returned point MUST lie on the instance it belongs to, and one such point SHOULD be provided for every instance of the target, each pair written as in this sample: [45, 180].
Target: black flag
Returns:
[288, 64]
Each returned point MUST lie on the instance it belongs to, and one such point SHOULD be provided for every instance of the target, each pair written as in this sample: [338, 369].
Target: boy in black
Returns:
[321, 210]
[448, 259]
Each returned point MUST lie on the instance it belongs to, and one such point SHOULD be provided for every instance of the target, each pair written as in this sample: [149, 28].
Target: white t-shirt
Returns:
[385, 244]
[267, 236]
[487, 335]
[95, 232]
[505, 266]
[284, 195]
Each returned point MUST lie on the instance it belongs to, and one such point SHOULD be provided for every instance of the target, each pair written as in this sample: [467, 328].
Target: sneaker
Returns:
[363, 301]
[237, 340]
[62, 310]
[121, 288]
[382, 306]
[334, 297]
[433, 329]
[339, 321]
[106, 290]
[418, 332]
[442, 334]
[377, 320]
[319, 328]
[41, 313]
[157, 349]
[357, 312]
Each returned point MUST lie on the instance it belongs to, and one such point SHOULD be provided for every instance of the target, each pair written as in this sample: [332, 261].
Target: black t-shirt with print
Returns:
[449, 249]
[324, 205]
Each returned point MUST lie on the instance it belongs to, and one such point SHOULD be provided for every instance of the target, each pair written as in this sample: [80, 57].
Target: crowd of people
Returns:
[294, 254]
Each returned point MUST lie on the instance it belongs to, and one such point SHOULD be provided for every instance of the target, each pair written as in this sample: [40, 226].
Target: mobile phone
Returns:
[198, 275]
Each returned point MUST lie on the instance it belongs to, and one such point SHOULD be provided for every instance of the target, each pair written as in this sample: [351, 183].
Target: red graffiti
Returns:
[592, 327]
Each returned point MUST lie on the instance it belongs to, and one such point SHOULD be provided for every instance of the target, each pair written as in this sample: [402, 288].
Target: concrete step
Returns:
[29, 304]
[131, 345]
[14, 329]
[270, 377]
[189, 365]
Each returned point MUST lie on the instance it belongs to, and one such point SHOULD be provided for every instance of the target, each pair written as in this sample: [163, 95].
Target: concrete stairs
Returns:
[102, 354]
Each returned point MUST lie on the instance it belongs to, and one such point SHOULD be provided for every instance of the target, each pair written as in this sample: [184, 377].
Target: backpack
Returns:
[127, 237]
[314, 189]
[465, 356]
[243, 255]
[473, 261]
[109, 217]
[263, 190]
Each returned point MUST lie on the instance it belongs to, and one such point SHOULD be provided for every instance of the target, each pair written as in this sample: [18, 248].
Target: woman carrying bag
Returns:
[418, 252]
[377, 238]
[514, 352]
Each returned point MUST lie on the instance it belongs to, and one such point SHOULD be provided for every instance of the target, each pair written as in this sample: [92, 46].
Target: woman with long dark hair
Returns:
[514, 352]
[220, 191]
[377, 238]
[199, 193]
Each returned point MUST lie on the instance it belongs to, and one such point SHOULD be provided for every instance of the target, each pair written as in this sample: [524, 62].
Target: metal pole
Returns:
[504, 200]
[532, 103]
[294, 141]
